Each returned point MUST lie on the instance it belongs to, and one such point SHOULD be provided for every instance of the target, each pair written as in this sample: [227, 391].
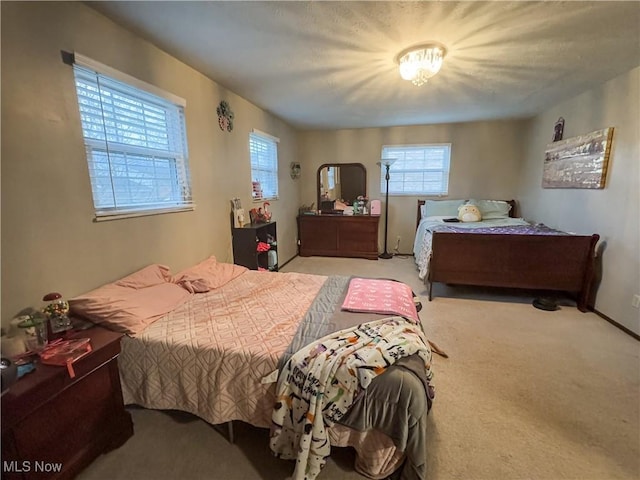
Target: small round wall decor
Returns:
[225, 116]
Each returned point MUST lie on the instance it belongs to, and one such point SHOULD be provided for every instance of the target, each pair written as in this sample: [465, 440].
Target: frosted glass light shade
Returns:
[419, 64]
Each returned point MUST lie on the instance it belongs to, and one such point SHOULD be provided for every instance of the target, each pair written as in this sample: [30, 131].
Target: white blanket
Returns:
[320, 382]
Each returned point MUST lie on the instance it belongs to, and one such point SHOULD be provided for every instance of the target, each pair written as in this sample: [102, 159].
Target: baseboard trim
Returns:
[280, 266]
[615, 324]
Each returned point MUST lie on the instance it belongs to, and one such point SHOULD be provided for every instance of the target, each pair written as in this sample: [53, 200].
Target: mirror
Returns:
[340, 181]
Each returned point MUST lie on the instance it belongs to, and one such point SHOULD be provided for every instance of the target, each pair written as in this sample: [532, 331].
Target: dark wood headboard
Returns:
[512, 211]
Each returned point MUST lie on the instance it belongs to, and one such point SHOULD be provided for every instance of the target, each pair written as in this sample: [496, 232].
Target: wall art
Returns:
[296, 170]
[578, 162]
[225, 116]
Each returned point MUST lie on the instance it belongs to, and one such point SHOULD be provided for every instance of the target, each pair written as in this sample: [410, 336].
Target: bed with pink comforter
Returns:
[212, 352]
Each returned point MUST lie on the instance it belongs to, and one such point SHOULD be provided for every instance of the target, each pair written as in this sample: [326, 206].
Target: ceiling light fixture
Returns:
[420, 63]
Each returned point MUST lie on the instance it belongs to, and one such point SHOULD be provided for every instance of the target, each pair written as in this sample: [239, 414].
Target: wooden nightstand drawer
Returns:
[53, 425]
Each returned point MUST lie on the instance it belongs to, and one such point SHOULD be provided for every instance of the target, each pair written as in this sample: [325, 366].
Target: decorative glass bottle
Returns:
[57, 311]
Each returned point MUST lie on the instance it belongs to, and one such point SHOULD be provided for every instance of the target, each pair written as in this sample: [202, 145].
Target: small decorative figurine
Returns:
[260, 214]
[558, 130]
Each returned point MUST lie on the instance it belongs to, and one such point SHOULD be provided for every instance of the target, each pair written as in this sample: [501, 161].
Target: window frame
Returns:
[446, 170]
[163, 164]
[271, 170]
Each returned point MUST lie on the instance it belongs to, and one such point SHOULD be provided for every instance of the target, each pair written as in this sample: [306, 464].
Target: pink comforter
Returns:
[209, 356]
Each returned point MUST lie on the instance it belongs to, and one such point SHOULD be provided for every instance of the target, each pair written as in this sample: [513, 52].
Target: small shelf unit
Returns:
[248, 242]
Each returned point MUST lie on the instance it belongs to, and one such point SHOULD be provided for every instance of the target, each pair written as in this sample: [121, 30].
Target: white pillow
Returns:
[491, 209]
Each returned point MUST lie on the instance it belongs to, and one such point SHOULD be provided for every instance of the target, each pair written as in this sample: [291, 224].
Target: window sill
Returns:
[103, 217]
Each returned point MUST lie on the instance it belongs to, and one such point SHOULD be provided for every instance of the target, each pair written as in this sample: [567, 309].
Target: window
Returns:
[135, 141]
[331, 177]
[418, 169]
[263, 149]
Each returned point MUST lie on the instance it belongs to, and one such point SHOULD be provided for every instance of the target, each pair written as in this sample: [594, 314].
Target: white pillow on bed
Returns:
[492, 209]
[440, 208]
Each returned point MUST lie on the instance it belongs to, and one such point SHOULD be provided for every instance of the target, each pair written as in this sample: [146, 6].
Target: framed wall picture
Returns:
[578, 162]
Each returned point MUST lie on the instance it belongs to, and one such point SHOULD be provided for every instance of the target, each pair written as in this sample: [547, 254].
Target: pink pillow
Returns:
[207, 275]
[146, 277]
[128, 309]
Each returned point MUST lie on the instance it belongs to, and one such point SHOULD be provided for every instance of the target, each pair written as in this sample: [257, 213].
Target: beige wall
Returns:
[49, 239]
[613, 212]
[485, 163]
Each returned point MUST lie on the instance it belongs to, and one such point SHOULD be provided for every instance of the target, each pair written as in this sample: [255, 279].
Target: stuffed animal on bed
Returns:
[469, 213]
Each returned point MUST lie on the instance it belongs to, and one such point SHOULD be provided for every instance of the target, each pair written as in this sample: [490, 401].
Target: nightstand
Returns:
[53, 426]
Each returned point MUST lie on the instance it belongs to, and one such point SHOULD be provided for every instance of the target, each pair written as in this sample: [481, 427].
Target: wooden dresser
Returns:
[53, 426]
[338, 235]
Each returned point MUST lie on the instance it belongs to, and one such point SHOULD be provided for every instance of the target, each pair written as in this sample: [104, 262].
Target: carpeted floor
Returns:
[524, 394]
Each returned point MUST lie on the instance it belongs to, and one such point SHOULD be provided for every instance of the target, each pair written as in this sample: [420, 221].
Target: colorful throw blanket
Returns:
[320, 382]
[380, 296]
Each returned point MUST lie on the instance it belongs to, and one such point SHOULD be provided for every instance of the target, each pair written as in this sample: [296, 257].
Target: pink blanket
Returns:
[380, 296]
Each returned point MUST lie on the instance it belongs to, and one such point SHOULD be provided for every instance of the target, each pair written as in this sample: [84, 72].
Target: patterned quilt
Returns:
[380, 296]
[208, 356]
[319, 383]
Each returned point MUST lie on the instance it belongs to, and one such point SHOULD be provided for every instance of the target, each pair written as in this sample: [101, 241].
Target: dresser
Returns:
[53, 426]
[338, 235]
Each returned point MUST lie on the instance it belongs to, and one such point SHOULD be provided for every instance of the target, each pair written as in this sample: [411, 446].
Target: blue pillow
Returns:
[441, 208]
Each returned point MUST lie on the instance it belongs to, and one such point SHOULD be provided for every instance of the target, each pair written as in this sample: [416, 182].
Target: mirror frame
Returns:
[324, 165]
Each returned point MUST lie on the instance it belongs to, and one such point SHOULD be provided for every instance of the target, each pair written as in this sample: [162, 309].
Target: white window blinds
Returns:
[418, 169]
[263, 149]
[135, 144]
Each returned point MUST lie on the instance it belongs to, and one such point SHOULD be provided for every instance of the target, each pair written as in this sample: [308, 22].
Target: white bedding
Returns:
[422, 241]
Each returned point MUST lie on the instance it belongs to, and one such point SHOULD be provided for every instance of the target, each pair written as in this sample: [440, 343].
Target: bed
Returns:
[501, 251]
[213, 348]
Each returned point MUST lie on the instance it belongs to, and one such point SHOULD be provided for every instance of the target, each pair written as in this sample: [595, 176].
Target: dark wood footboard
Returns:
[546, 262]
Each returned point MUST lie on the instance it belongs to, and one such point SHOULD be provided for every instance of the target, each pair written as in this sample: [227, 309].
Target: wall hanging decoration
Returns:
[578, 162]
[295, 170]
[225, 116]
[558, 130]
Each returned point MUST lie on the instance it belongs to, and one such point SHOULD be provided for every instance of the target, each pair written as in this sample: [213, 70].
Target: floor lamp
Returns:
[387, 162]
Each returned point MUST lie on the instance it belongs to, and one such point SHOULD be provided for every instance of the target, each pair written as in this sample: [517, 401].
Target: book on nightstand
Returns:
[65, 352]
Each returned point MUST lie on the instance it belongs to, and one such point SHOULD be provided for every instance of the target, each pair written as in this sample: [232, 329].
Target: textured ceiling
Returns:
[332, 64]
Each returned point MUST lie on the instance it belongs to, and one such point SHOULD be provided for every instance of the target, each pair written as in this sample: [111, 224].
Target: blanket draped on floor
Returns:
[320, 382]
